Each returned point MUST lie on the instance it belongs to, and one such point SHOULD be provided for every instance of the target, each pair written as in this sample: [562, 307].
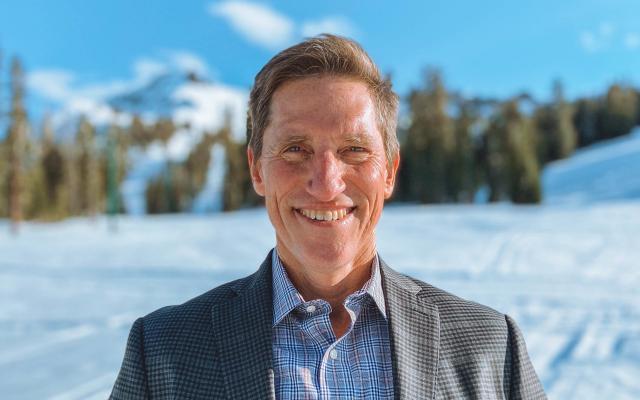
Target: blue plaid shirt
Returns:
[309, 363]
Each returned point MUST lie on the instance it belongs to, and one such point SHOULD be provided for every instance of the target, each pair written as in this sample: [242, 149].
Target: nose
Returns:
[326, 177]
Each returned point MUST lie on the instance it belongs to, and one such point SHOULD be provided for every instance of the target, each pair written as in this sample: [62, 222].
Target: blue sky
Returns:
[489, 48]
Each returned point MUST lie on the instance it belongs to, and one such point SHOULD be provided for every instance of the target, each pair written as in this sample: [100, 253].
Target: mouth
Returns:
[325, 215]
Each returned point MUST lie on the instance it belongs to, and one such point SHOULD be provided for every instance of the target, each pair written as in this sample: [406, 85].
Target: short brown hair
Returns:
[322, 55]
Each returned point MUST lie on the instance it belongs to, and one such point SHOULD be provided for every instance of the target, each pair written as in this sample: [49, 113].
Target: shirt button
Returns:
[333, 354]
[311, 309]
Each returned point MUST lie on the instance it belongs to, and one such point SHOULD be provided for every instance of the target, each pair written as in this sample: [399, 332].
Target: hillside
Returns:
[606, 171]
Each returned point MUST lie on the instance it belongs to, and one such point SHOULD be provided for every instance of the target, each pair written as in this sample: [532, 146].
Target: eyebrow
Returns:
[293, 139]
[357, 139]
[286, 141]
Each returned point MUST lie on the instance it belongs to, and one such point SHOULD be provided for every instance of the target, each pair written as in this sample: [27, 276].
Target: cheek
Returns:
[285, 171]
[370, 178]
[282, 179]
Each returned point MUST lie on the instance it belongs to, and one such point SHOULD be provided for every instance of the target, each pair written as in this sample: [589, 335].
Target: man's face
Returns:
[323, 172]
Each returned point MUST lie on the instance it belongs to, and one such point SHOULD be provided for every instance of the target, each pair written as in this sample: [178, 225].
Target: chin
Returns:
[327, 255]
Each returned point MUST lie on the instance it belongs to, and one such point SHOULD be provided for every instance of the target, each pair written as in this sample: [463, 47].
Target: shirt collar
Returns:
[286, 297]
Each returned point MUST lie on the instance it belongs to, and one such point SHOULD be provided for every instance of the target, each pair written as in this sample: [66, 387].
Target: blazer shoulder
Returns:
[466, 326]
[457, 310]
[452, 310]
[191, 317]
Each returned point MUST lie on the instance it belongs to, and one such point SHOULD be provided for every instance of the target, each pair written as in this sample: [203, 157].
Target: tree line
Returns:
[453, 148]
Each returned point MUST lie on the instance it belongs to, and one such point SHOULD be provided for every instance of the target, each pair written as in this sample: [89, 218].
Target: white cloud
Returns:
[604, 37]
[258, 23]
[188, 62]
[52, 84]
[632, 40]
[589, 42]
[606, 29]
[337, 25]
[270, 29]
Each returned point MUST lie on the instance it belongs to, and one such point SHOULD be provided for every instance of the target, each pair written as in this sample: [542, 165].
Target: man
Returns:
[324, 317]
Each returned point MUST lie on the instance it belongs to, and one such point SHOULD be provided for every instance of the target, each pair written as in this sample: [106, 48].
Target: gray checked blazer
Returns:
[218, 346]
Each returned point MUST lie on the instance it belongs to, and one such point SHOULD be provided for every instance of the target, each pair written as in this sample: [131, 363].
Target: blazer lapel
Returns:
[415, 336]
[243, 329]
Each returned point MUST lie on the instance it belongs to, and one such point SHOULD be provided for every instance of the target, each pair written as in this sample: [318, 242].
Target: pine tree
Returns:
[618, 115]
[138, 132]
[197, 166]
[53, 167]
[88, 169]
[163, 129]
[555, 127]
[512, 168]
[495, 158]
[4, 153]
[237, 190]
[430, 140]
[115, 169]
[71, 192]
[461, 181]
[524, 171]
[585, 120]
[16, 143]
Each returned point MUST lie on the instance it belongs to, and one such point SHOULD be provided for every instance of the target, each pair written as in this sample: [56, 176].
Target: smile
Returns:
[326, 215]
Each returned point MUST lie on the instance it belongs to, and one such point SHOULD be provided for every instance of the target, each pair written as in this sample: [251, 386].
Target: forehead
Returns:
[322, 103]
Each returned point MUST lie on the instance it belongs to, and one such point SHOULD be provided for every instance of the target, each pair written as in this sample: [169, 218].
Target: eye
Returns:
[295, 153]
[355, 154]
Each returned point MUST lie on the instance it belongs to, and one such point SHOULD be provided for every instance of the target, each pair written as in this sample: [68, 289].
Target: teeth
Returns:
[332, 215]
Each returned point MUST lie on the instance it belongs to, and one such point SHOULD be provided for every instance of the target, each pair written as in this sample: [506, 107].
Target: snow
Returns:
[146, 164]
[603, 172]
[566, 271]
[71, 290]
[205, 106]
[210, 197]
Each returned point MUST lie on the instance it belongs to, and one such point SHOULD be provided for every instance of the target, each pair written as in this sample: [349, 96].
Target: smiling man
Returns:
[324, 317]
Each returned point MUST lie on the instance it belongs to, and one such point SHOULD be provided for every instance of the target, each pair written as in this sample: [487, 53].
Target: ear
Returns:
[256, 172]
[390, 179]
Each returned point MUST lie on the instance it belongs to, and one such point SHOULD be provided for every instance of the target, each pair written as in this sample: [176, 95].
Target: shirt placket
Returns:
[332, 377]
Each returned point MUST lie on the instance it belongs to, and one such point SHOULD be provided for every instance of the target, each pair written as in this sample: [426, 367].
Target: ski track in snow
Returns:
[568, 275]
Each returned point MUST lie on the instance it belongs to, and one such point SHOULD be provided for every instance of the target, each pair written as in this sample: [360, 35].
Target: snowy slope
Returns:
[210, 198]
[569, 276]
[603, 172]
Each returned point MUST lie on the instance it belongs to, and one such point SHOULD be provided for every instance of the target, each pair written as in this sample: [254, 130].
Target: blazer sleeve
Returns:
[522, 378]
[132, 382]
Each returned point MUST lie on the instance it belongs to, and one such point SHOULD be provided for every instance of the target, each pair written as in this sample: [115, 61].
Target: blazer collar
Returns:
[243, 327]
[245, 343]
[414, 324]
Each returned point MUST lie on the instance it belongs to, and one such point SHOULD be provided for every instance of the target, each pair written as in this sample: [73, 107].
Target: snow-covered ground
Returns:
[569, 276]
[566, 271]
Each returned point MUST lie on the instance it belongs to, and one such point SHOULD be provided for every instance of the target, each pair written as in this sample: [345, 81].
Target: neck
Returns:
[330, 283]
